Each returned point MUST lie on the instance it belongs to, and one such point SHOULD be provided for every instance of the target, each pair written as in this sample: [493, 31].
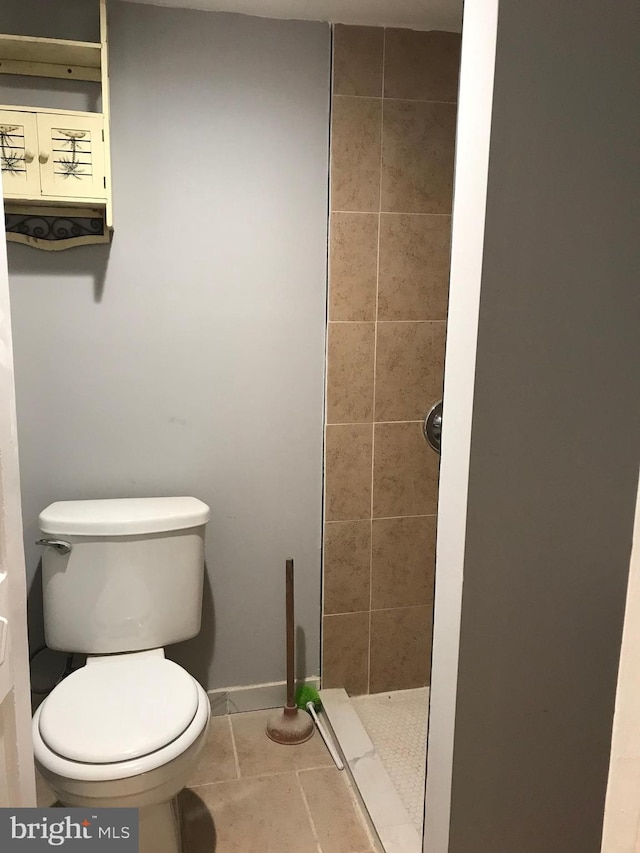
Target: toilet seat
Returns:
[119, 709]
[168, 737]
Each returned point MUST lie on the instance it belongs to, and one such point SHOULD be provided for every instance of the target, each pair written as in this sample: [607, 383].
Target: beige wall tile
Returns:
[345, 652]
[400, 648]
[339, 825]
[417, 160]
[355, 153]
[402, 561]
[409, 174]
[353, 266]
[217, 762]
[347, 559]
[414, 267]
[350, 360]
[409, 369]
[247, 816]
[348, 472]
[405, 475]
[357, 60]
[258, 754]
[421, 65]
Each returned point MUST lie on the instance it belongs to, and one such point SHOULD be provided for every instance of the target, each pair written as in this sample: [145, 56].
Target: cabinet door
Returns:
[71, 154]
[19, 154]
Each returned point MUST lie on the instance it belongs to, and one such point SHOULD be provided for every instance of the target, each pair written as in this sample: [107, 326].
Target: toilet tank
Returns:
[126, 575]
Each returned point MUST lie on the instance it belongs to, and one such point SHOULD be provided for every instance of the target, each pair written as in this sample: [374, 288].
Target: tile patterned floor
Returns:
[250, 795]
[397, 724]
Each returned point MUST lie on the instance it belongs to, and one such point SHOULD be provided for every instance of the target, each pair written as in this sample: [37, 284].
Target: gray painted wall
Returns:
[556, 433]
[188, 358]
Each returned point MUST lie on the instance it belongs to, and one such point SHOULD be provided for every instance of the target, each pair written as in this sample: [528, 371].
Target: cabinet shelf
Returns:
[43, 57]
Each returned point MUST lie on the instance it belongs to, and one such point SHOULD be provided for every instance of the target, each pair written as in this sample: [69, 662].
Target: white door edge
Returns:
[475, 103]
[16, 750]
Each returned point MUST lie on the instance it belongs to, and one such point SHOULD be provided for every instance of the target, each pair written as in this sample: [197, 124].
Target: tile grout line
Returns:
[387, 98]
[383, 517]
[371, 423]
[392, 213]
[287, 772]
[247, 778]
[371, 322]
[233, 746]
[380, 610]
[308, 811]
[375, 363]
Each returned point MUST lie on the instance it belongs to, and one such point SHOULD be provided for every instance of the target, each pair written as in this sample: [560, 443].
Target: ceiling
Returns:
[414, 14]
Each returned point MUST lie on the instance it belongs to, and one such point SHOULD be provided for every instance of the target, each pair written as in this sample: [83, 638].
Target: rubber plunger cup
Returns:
[290, 726]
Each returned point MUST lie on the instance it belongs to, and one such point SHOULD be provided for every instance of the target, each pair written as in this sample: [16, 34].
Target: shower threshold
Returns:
[383, 741]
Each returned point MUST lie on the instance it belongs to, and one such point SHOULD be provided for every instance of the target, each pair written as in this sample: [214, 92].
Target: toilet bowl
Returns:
[122, 579]
[139, 757]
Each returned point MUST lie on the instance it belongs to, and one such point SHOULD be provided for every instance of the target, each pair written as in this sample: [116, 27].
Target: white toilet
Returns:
[122, 579]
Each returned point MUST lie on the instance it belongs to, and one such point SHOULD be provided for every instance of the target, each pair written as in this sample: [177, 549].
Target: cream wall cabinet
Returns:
[52, 156]
[55, 164]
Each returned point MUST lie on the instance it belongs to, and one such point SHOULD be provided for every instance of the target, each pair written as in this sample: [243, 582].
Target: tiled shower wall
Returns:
[392, 143]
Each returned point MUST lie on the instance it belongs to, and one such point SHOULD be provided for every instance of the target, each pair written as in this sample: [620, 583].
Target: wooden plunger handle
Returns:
[290, 636]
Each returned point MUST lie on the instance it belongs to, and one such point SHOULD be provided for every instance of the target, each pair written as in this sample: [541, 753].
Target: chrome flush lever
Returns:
[58, 544]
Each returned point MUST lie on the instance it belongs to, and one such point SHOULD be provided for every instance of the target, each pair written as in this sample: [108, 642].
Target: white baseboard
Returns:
[253, 697]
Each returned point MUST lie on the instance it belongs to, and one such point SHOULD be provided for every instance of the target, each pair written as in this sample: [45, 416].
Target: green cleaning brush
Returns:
[305, 694]
[308, 699]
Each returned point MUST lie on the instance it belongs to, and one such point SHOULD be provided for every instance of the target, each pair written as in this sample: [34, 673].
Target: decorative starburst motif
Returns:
[10, 156]
[71, 166]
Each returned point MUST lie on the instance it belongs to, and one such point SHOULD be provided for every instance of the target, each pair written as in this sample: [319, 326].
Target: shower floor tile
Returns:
[396, 722]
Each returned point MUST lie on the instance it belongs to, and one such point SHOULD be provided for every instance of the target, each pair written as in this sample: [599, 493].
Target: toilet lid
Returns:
[117, 710]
